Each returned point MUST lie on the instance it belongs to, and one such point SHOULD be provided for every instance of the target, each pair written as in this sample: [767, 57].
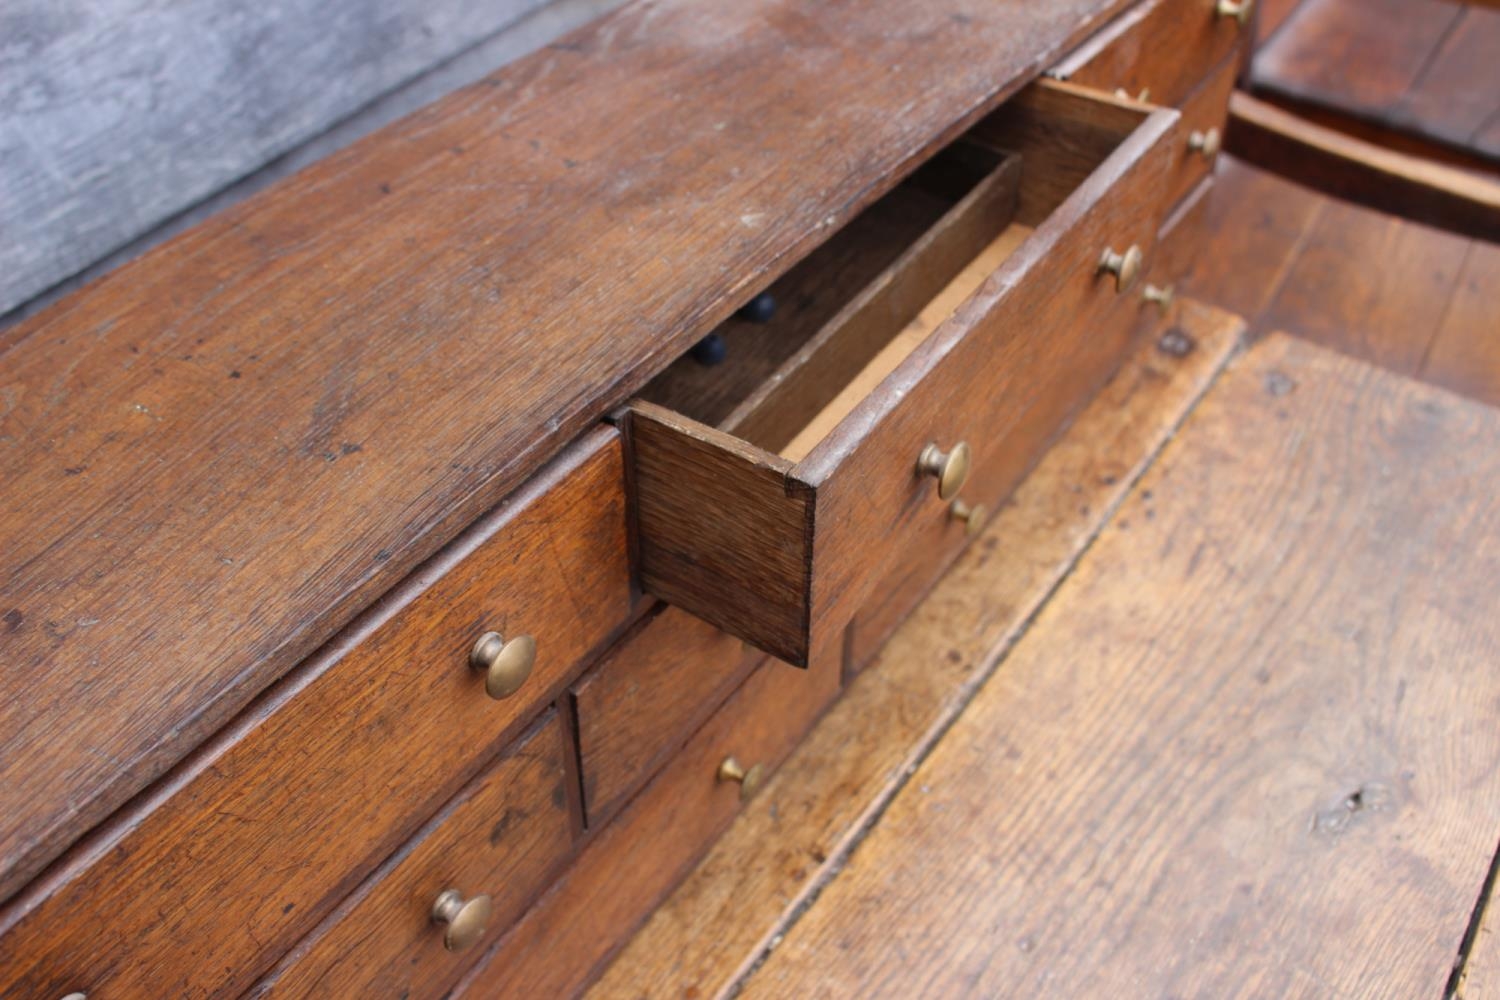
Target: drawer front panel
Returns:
[1204, 115]
[239, 855]
[562, 943]
[501, 838]
[1004, 373]
[1163, 48]
[646, 697]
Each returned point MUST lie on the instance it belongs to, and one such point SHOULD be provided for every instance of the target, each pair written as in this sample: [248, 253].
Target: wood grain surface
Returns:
[723, 530]
[214, 457]
[1245, 237]
[776, 857]
[565, 939]
[1407, 296]
[503, 836]
[1479, 978]
[1425, 68]
[1248, 747]
[199, 886]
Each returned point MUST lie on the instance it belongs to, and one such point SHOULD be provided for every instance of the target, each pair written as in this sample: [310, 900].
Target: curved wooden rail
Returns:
[1361, 172]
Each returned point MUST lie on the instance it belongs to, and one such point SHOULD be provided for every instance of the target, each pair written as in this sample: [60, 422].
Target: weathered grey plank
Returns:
[116, 115]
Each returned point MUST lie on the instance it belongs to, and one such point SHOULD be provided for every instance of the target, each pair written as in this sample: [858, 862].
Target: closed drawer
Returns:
[1204, 115]
[1158, 51]
[645, 698]
[773, 522]
[203, 885]
[562, 942]
[485, 855]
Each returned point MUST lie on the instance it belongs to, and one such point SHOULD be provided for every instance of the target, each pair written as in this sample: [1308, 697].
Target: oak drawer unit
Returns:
[563, 941]
[392, 603]
[204, 883]
[916, 399]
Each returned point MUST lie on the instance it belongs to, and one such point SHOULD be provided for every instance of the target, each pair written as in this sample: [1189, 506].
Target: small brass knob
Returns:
[464, 920]
[506, 665]
[731, 769]
[951, 468]
[1161, 296]
[1126, 267]
[1237, 9]
[1142, 97]
[972, 517]
[1206, 144]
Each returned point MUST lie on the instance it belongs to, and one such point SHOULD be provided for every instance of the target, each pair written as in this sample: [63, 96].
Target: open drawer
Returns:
[917, 364]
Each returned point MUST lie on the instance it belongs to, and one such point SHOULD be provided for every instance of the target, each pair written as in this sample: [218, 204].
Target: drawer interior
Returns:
[869, 288]
[731, 458]
[848, 313]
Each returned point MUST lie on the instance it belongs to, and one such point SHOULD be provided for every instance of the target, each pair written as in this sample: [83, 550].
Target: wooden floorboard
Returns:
[1411, 298]
[1370, 285]
[1464, 355]
[1479, 976]
[1247, 749]
[789, 842]
[1248, 235]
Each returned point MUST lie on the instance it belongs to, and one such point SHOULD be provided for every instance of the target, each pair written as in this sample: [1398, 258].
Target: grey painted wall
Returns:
[124, 121]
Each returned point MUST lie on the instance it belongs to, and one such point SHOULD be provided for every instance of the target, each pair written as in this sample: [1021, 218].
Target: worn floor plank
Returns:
[1370, 285]
[1409, 297]
[1465, 352]
[1480, 973]
[1248, 748]
[1248, 235]
[778, 851]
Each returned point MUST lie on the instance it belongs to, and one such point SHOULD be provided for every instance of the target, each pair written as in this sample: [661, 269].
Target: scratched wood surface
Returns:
[216, 455]
[1247, 749]
[780, 853]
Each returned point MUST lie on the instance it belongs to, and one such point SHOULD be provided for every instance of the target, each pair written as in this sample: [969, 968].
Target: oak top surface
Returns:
[215, 456]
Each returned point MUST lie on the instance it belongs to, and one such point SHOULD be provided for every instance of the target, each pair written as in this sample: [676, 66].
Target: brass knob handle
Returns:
[951, 468]
[1206, 144]
[1126, 267]
[464, 920]
[1161, 296]
[972, 517]
[506, 665]
[731, 769]
[1141, 98]
[1237, 9]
